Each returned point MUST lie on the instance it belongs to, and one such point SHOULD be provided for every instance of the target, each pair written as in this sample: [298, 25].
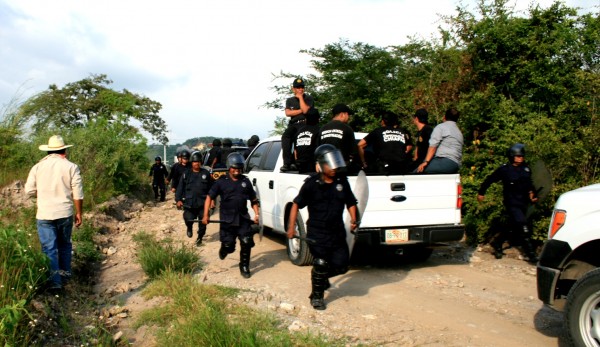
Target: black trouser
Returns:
[286, 142]
[191, 213]
[519, 231]
[159, 186]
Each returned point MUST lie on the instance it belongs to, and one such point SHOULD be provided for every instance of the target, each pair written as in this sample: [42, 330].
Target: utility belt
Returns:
[324, 224]
[297, 119]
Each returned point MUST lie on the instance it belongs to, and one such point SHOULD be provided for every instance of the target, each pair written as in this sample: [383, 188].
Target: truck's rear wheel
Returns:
[582, 313]
[297, 249]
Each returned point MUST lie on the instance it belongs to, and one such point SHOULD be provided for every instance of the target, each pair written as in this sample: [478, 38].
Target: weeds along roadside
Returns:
[29, 315]
[198, 314]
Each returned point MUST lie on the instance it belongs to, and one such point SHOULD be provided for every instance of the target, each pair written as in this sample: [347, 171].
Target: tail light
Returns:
[459, 199]
[559, 217]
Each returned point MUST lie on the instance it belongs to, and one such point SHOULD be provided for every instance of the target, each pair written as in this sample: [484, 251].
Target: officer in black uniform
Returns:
[338, 133]
[235, 190]
[306, 142]
[252, 142]
[391, 144]
[179, 168]
[214, 155]
[159, 174]
[191, 194]
[225, 152]
[296, 108]
[519, 192]
[326, 194]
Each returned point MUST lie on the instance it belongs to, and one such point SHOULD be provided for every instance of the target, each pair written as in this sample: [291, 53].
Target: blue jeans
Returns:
[440, 165]
[55, 238]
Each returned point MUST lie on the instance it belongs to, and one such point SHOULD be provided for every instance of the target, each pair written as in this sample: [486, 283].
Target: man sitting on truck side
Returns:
[391, 145]
[326, 194]
[306, 141]
[444, 155]
[518, 193]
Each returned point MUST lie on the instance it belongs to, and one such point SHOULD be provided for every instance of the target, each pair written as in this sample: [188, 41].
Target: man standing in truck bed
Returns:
[295, 108]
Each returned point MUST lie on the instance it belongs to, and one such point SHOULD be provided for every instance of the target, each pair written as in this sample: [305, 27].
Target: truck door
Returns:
[259, 167]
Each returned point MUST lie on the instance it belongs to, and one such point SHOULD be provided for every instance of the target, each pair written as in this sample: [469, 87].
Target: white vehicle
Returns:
[409, 214]
[568, 274]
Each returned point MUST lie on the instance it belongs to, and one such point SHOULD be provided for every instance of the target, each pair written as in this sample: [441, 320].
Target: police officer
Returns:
[252, 142]
[214, 155]
[391, 144]
[338, 133]
[518, 192]
[326, 194]
[306, 141]
[225, 152]
[235, 190]
[159, 174]
[179, 168]
[191, 195]
[296, 108]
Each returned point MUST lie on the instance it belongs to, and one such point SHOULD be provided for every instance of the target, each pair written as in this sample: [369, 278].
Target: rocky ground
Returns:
[460, 297]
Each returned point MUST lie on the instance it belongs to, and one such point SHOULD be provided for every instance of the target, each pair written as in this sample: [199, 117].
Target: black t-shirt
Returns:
[326, 202]
[193, 188]
[234, 196]
[306, 142]
[214, 152]
[422, 145]
[340, 135]
[293, 103]
[159, 173]
[389, 144]
[516, 184]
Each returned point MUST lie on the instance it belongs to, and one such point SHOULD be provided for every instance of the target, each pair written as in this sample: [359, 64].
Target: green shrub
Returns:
[22, 270]
[205, 315]
[159, 256]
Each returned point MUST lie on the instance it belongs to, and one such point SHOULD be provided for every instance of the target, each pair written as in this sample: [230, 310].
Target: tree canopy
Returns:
[78, 103]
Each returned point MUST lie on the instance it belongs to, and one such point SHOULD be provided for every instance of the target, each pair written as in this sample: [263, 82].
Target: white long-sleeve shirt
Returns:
[56, 182]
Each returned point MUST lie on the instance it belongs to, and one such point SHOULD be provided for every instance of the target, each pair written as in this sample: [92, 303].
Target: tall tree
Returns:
[78, 103]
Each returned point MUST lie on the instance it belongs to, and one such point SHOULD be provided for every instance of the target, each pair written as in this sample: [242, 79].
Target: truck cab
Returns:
[568, 272]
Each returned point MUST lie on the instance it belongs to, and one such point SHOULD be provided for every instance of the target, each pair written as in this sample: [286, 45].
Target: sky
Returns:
[211, 64]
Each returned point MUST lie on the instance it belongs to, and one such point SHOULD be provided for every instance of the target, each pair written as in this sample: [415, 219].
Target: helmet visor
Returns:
[333, 159]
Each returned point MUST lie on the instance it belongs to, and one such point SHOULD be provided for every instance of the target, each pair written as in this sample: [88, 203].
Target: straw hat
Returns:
[55, 143]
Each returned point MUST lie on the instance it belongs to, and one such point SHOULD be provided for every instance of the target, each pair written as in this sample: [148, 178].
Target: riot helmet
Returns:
[227, 143]
[196, 157]
[517, 150]
[158, 158]
[235, 160]
[216, 143]
[185, 154]
[330, 155]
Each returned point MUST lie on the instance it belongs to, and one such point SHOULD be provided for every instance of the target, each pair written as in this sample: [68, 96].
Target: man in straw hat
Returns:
[57, 184]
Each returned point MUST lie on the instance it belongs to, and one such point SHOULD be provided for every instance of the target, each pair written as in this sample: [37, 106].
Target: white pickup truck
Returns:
[408, 214]
[568, 272]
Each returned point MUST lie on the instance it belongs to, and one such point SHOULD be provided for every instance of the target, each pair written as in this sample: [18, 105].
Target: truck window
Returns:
[272, 156]
[254, 160]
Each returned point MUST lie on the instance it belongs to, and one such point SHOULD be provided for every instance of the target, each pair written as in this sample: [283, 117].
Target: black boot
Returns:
[320, 280]
[200, 237]
[245, 262]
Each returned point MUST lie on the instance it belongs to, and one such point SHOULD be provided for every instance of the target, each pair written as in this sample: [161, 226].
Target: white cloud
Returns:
[210, 64]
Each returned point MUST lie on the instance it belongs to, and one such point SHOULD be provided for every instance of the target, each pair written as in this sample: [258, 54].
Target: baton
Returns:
[311, 241]
[209, 221]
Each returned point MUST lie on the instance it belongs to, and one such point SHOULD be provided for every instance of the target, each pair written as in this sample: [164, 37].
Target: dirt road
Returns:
[459, 297]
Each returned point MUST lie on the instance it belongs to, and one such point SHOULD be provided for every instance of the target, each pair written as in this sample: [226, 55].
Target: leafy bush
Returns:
[22, 270]
[157, 257]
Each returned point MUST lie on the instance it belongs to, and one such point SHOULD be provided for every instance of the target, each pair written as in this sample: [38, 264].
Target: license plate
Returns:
[396, 235]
